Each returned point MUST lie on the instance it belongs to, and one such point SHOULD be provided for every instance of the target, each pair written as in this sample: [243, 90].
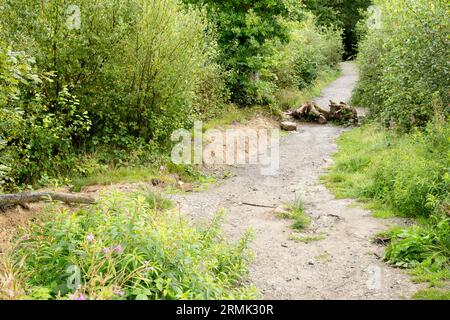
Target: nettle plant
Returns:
[129, 247]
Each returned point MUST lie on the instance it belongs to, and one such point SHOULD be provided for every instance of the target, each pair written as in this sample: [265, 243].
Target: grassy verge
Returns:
[129, 246]
[167, 175]
[403, 175]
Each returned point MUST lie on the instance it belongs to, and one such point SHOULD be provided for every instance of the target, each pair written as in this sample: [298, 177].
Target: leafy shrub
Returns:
[117, 86]
[309, 51]
[246, 31]
[344, 14]
[404, 66]
[135, 66]
[296, 211]
[427, 246]
[128, 247]
[35, 137]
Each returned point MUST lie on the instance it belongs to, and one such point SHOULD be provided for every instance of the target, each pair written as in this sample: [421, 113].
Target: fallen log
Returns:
[27, 197]
[340, 112]
[311, 111]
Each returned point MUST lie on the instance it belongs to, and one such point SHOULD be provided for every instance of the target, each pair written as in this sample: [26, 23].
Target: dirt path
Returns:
[345, 265]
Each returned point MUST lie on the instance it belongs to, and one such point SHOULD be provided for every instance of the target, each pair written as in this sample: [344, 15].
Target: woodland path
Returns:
[344, 265]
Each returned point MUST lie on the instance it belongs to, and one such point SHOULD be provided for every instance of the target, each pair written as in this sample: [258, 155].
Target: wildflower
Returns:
[77, 297]
[118, 249]
[90, 238]
[120, 293]
[106, 250]
[148, 267]
[81, 297]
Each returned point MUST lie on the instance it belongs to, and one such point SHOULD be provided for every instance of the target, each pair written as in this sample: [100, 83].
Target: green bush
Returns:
[344, 14]
[129, 247]
[135, 66]
[35, 137]
[246, 32]
[117, 86]
[404, 63]
[310, 50]
[427, 246]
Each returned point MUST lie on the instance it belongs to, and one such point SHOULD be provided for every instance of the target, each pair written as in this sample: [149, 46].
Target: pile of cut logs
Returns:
[311, 111]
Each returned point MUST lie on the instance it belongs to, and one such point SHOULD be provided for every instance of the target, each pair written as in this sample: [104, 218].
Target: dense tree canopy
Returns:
[245, 29]
[342, 13]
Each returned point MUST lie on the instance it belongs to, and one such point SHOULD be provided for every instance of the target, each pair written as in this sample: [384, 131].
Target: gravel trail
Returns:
[345, 264]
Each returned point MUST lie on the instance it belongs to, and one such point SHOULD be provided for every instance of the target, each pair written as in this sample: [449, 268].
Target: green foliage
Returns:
[404, 63]
[344, 14]
[246, 30]
[407, 173]
[127, 247]
[135, 66]
[432, 294]
[427, 246]
[310, 51]
[35, 137]
[119, 84]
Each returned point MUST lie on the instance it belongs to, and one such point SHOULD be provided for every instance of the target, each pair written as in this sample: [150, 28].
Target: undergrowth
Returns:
[125, 247]
[404, 175]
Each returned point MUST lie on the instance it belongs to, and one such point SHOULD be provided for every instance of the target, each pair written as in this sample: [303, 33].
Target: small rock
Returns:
[156, 182]
[311, 263]
[288, 126]
[186, 187]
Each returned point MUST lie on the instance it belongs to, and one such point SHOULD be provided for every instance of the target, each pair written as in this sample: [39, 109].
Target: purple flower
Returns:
[105, 250]
[77, 297]
[25, 238]
[120, 293]
[90, 238]
[148, 267]
[118, 249]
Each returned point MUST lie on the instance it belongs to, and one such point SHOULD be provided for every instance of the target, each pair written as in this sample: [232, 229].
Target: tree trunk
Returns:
[27, 197]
